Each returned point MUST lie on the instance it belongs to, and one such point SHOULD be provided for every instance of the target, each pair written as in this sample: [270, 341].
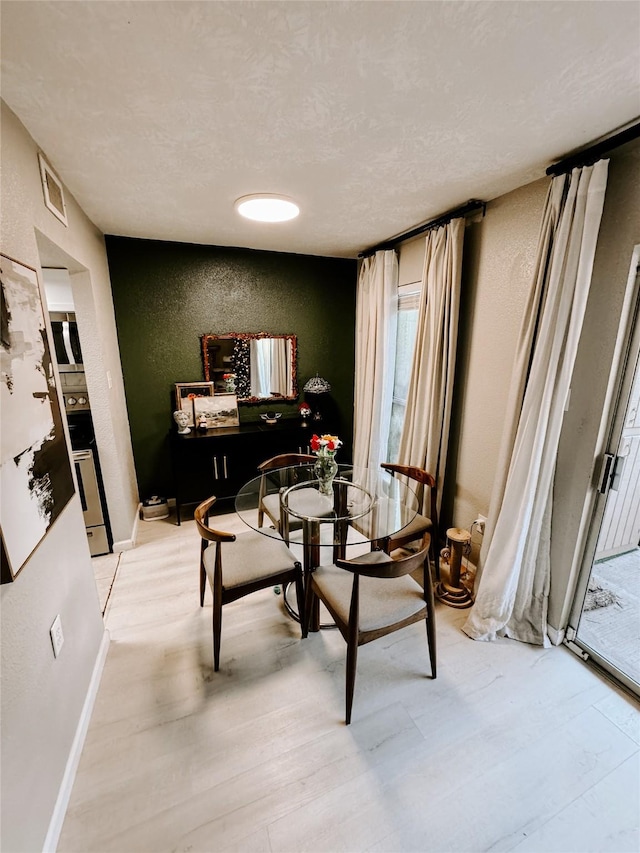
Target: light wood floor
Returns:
[512, 747]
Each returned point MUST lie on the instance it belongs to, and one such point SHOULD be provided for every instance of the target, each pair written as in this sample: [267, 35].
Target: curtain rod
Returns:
[589, 155]
[471, 206]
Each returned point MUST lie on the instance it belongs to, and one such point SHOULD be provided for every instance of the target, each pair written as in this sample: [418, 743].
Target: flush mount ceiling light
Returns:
[266, 207]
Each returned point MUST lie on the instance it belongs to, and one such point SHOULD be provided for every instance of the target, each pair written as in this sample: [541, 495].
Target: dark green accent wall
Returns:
[168, 294]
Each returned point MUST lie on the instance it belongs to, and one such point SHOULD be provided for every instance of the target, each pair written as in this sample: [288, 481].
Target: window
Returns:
[408, 306]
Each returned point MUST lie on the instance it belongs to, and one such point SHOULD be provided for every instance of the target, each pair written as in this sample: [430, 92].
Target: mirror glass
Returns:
[258, 367]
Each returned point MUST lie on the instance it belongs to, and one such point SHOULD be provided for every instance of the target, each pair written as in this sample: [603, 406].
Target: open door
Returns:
[605, 618]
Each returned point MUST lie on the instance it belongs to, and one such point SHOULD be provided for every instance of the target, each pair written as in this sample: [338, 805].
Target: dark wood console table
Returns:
[219, 461]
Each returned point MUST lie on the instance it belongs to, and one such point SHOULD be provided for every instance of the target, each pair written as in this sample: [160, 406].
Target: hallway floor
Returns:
[511, 748]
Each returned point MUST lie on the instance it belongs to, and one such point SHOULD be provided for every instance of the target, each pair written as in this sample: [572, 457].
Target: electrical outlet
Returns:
[480, 524]
[57, 637]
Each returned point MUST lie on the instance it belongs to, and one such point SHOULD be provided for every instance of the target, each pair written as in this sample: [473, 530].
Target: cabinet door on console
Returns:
[192, 468]
[231, 464]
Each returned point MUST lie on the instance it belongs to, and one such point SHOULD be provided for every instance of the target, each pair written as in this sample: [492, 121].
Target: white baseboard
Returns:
[62, 801]
[128, 544]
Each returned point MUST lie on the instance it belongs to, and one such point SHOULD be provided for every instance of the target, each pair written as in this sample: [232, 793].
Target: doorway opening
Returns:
[605, 618]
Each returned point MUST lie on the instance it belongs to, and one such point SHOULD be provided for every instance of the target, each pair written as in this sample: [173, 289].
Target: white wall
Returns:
[42, 697]
[58, 290]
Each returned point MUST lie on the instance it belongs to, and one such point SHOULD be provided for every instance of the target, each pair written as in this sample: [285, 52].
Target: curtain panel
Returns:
[425, 432]
[376, 329]
[513, 588]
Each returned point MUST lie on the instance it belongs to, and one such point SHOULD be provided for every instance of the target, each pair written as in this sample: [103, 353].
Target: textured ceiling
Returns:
[374, 116]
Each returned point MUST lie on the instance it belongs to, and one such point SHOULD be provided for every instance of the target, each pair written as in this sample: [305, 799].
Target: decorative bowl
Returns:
[271, 417]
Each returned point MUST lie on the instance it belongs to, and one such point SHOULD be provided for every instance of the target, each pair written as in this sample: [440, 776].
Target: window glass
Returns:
[408, 297]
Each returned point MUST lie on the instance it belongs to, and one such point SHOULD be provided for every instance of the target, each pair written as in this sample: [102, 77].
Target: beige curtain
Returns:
[376, 328]
[513, 589]
[425, 432]
[279, 364]
[260, 369]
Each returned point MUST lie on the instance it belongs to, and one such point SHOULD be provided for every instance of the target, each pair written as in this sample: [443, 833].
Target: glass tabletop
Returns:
[371, 503]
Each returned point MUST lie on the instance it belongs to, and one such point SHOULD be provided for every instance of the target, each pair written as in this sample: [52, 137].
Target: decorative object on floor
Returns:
[218, 411]
[154, 508]
[187, 392]
[304, 410]
[598, 595]
[35, 472]
[182, 420]
[316, 386]
[229, 382]
[454, 593]
[53, 191]
[326, 467]
[271, 417]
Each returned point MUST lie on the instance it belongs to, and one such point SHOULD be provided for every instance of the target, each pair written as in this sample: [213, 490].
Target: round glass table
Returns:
[367, 506]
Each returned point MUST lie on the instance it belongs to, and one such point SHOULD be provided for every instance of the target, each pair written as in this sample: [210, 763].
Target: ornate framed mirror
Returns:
[259, 367]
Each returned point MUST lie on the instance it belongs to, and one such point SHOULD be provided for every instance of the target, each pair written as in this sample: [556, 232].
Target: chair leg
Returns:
[435, 556]
[302, 604]
[217, 631]
[352, 658]
[431, 621]
[311, 607]
[203, 583]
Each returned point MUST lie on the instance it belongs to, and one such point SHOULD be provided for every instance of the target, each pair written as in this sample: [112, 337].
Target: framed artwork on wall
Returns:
[219, 411]
[53, 191]
[36, 482]
[187, 392]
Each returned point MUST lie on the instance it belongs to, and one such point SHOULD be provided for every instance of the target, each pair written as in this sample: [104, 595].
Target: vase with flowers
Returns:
[326, 467]
[229, 382]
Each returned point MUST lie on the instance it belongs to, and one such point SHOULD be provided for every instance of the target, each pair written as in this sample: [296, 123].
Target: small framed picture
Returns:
[219, 411]
[53, 191]
[188, 392]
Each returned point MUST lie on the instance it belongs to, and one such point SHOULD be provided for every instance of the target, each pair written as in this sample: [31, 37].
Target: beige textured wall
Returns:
[499, 258]
[42, 697]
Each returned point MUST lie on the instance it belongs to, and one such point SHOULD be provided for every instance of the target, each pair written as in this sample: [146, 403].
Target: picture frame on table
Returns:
[53, 190]
[187, 392]
[219, 411]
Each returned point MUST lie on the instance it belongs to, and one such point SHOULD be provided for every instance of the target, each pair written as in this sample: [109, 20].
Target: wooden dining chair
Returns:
[420, 524]
[252, 561]
[269, 502]
[369, 597]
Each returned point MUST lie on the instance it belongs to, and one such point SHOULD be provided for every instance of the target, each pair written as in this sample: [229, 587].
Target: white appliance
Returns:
[91, 504]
